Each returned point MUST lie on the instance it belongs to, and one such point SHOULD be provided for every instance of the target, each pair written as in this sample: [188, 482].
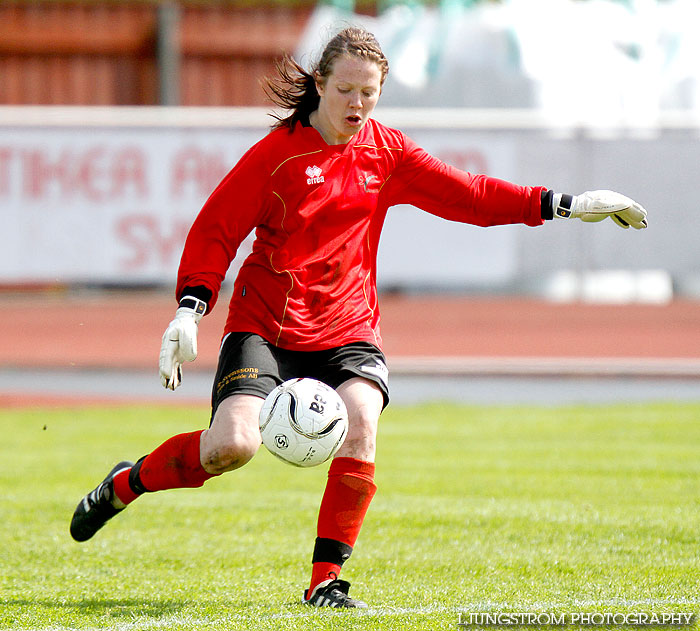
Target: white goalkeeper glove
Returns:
[180, 341]
[594, 206]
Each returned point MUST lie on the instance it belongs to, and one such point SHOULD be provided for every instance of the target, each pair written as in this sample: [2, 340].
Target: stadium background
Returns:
[565, 301]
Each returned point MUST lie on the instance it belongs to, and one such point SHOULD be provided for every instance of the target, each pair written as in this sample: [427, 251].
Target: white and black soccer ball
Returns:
[303, 422]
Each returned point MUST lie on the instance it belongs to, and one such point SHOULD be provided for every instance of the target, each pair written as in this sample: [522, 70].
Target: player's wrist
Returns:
[194, 301]
[563, 206]
[195, 304]
[190, 306]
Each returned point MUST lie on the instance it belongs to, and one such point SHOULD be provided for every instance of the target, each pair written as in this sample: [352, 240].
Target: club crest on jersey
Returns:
[366, 180]
[314, 175]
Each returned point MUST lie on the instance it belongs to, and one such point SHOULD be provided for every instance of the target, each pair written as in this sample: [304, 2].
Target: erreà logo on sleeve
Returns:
[314, 175]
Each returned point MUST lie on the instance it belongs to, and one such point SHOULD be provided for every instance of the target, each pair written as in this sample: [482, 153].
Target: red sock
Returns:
[173, 465]
[122, 490]
[322, 571]
[349, 491]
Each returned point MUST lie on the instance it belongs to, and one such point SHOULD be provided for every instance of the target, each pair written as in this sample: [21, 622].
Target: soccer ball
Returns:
[303, 422]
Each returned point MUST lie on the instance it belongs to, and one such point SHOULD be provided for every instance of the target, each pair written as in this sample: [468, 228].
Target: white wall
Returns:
[105, 195]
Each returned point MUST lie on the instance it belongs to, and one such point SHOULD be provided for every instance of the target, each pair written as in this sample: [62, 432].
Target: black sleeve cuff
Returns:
[547, 205]
[198, 291]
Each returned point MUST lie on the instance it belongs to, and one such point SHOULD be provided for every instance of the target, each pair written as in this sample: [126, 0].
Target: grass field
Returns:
[496, 509]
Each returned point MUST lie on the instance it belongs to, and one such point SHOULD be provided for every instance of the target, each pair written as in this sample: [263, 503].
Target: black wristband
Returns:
[564, 208]
[548, 203]
[197, 305]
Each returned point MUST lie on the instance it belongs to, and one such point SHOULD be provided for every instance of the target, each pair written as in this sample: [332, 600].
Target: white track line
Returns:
[650, 367]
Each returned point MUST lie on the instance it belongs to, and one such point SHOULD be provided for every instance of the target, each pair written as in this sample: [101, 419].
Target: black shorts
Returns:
[249, 364]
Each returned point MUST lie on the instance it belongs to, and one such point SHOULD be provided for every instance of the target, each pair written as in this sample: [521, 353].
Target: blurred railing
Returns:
[141, 53]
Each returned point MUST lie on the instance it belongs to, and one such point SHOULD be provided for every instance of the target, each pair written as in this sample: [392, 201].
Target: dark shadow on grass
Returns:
[115, 608]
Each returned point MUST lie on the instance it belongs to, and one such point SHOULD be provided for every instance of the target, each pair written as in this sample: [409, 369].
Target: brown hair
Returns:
[295, 89]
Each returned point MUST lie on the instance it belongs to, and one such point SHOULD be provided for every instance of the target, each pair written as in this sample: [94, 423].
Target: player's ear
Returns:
[320, 83]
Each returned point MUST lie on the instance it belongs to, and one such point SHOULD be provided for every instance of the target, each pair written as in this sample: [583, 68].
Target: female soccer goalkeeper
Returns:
[316, 190]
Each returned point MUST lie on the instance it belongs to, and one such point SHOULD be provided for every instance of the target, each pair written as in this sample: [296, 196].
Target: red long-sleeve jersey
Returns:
[317, 211]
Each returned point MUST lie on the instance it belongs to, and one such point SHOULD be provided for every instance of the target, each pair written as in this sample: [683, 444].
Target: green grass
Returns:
[495, 509]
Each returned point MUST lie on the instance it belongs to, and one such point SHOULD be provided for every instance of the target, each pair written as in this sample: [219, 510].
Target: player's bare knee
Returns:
[228, 448]
[234, 437]
[230, 454]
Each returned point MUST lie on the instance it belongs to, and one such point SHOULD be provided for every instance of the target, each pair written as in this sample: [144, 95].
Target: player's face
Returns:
[348, 97]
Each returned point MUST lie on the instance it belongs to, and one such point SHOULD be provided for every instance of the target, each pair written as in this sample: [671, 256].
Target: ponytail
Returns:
[293, 89]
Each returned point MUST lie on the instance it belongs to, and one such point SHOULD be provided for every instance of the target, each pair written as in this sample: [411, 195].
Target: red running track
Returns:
[55, 329]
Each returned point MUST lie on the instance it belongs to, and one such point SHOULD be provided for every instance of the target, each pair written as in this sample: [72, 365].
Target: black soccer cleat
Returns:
[332, 593]
[96, 509]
